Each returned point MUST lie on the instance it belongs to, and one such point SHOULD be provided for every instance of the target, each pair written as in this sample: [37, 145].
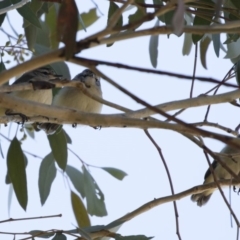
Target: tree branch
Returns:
[158, 201]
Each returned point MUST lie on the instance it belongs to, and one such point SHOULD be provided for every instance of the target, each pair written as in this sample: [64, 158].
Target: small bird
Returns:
[42, 74]
[231, 157]
[74, 98]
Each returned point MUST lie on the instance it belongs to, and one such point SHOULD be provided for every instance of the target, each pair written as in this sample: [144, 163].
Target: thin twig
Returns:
[169, 179]
[158, 201]
[79, 60]
[216, 125]
[215, 92]
[30, 218]
[194, 70]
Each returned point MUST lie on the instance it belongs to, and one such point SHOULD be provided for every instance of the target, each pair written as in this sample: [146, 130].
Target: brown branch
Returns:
[216, 125]
[228, 140]
[194, 70]
[29, 218]
[79, 60]
[169, 179]
[216, 89]
[158, 201]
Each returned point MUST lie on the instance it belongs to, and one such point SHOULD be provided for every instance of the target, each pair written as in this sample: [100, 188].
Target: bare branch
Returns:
[216, 125]
[158, 201]
[169, 179]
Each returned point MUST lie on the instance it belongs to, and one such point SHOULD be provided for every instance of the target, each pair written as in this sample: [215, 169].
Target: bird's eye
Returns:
[45, 72]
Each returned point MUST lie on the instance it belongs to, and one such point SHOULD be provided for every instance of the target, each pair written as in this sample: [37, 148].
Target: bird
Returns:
[231, 157]
[74, 98]
[40, 75]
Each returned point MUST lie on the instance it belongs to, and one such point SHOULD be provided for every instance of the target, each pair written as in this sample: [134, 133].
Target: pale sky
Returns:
[131, 151]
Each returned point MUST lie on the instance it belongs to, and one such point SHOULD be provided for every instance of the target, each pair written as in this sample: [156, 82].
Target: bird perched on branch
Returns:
[231, 157]
[74, 98]
[40, 75]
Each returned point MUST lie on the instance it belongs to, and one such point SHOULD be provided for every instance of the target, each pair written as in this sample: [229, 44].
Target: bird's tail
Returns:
[49, 128]
[201, 198]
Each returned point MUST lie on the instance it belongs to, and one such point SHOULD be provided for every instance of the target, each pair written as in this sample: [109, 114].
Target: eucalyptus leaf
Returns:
[237, 70]
[47, 173]
[113, 7]
[216, 43]
[76, 178]
[58, 144]
[187, 44]
[59, 236]
[117, 173]
[79, 211]
[88, 18]
[50, 21]
[94, 195]
[31, 36]
[153, 47]
[41, 234]
[204, 44]
[2, 66]
[16, 172]
[26, 12]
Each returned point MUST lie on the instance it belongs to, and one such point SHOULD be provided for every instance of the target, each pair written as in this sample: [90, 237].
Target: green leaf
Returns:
[30, 130]
[45, 8]
[1, 152]
[76, 178]
[88, 18]
[94, 195]
[59, 236]
[2, 17]
[2, 66]
[237, 70]
[113, 7]
[58, 144]
[35, 6]
[236, 3]
[40, 234]
[59, 67]
[47, 173]
[26, 12]
[79, 211]
[216, 43]
[140, 12]
[16, 171]
[43, 35]
[81, 22]
[50, 21]
[153, 47]
[4, 4]
[168, 17]
[187, 45]
[204, 44]
[198, 20]
[31, 35]
[117, 173]
[69, 140]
